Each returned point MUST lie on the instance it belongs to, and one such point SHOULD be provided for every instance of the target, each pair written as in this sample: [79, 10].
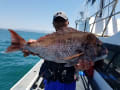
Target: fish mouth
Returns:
[100, 57]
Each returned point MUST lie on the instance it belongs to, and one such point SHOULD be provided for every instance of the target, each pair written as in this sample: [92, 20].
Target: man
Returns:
[58, 77]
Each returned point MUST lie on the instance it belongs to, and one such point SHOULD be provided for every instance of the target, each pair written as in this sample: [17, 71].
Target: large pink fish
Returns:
[67, 46]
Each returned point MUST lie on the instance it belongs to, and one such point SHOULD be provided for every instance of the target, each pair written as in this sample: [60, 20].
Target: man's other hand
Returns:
[84, 65]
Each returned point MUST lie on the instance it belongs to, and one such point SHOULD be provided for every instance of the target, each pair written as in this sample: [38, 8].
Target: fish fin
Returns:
[73, 56]
[17, 42]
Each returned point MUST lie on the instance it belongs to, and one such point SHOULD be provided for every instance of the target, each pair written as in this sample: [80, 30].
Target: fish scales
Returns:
[60, 43]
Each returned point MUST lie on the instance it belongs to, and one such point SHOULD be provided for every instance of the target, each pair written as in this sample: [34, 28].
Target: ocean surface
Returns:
[13, 65]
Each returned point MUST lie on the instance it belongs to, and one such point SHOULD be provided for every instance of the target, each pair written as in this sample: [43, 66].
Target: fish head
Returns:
[94, 48]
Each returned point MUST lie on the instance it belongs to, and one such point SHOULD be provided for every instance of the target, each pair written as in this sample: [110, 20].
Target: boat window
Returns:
[110, 67]
[113, 60]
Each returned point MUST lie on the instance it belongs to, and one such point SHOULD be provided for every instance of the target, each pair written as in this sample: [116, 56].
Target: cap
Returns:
[60, 14]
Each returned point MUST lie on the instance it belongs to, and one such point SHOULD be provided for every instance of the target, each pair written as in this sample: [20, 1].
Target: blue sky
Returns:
[37, 14]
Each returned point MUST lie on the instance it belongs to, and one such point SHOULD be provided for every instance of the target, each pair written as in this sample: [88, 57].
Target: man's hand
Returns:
[84, 65]
[31, 41]
[26, 52]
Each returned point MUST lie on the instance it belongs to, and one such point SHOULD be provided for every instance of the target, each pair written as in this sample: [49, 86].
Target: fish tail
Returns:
[17, 42]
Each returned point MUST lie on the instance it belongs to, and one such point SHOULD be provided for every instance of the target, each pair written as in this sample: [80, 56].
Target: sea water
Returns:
[13, 66]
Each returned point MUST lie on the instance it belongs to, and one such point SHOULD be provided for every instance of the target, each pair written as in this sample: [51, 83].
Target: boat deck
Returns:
[31, 81]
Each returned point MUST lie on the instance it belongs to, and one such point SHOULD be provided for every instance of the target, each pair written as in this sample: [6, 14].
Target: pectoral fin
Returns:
[74, 56]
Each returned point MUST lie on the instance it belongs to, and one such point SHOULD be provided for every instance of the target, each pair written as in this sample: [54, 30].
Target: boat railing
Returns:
[114, 2]
[111, 13]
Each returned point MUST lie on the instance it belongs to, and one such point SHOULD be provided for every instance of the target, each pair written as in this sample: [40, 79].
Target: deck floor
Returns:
[80, 85]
